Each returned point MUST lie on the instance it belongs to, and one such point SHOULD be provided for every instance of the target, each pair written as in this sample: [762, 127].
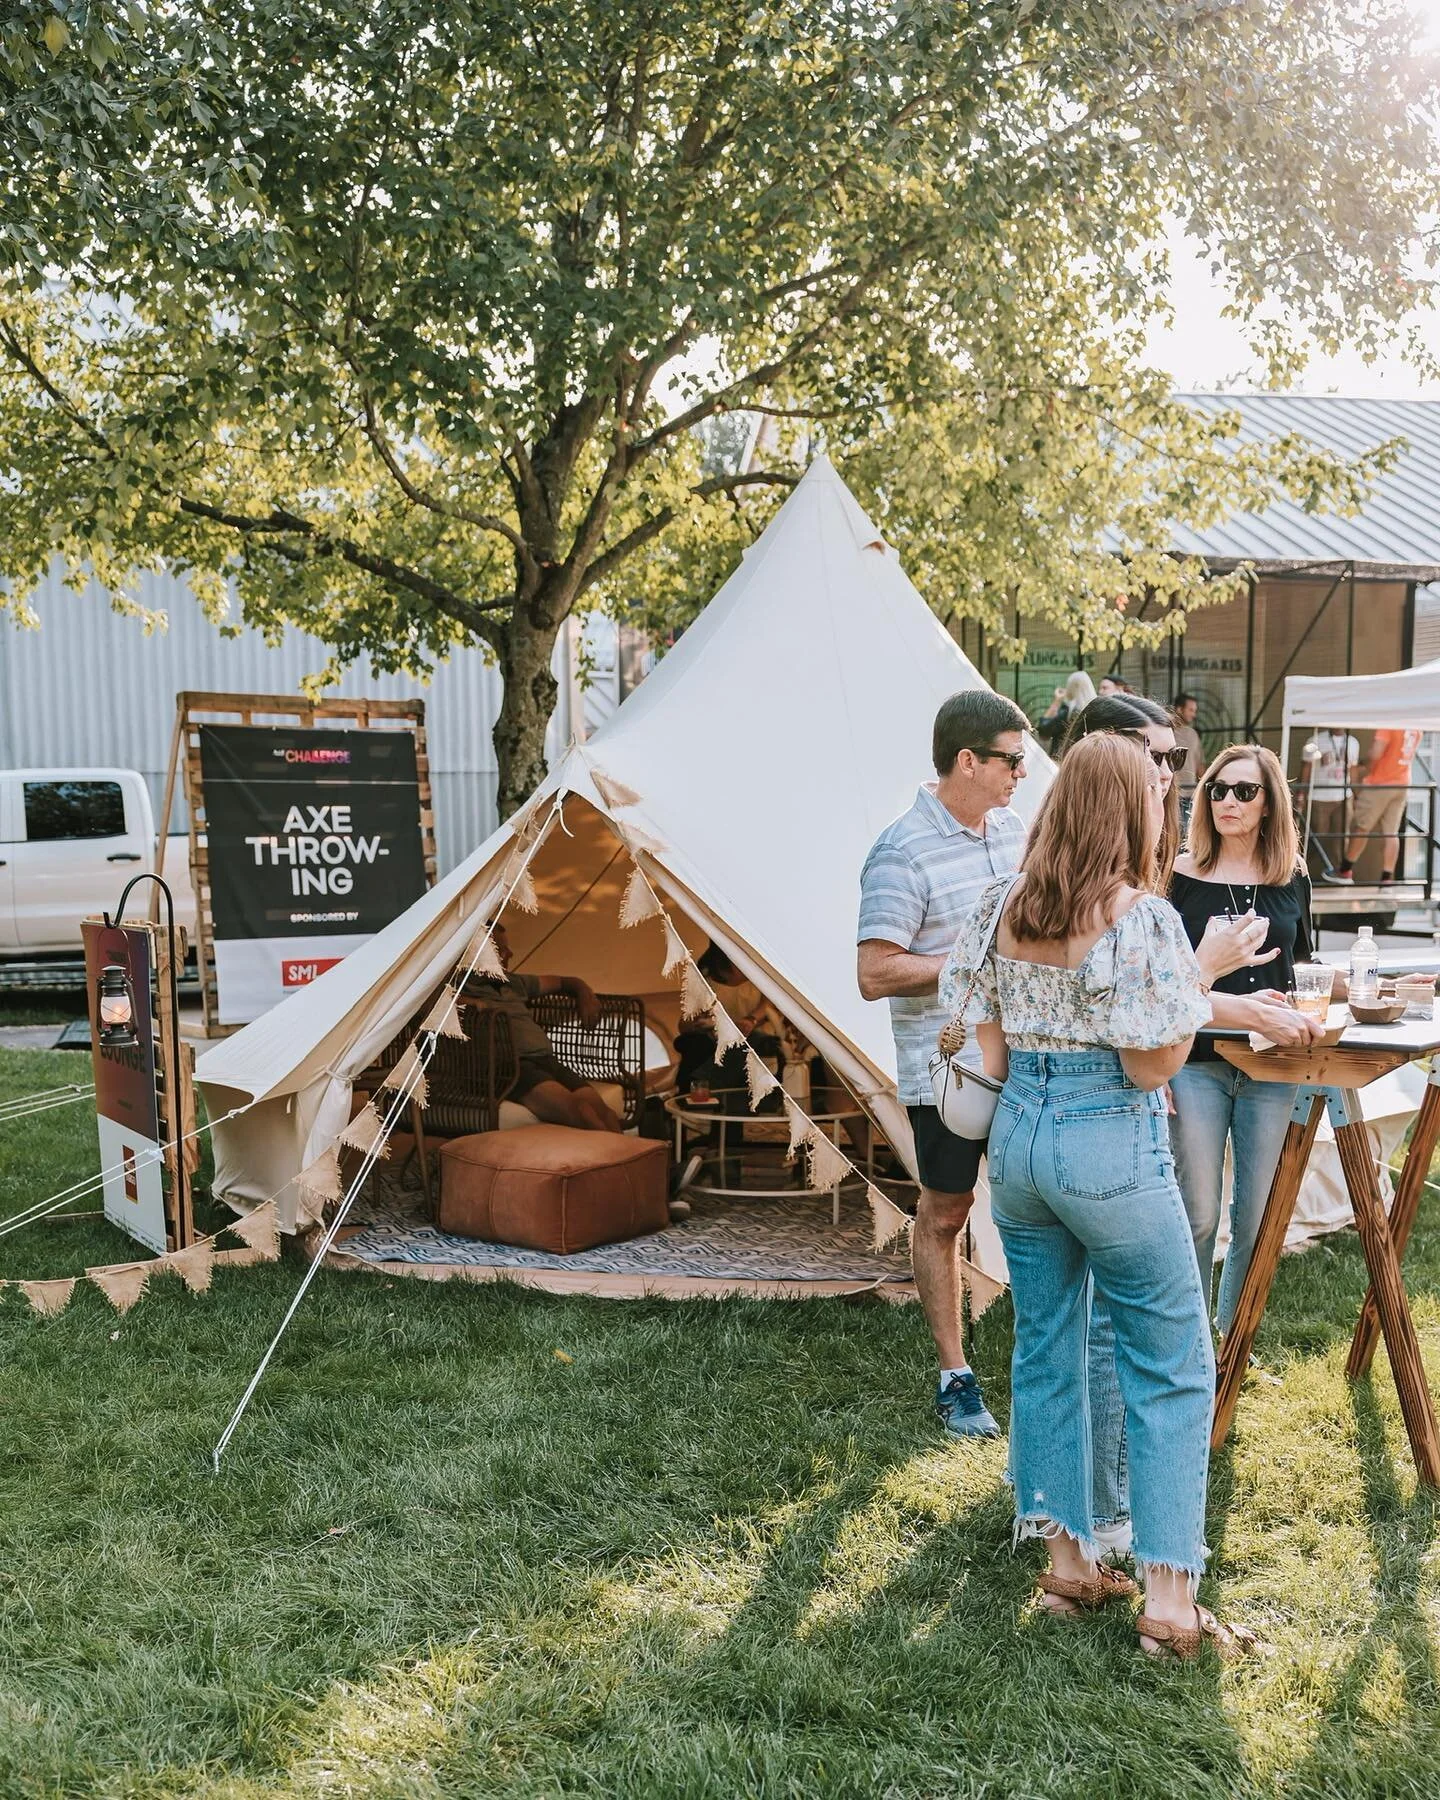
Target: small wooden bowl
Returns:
[1376, 1012]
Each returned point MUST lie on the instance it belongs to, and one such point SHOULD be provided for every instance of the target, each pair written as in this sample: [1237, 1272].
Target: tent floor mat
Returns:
[767, 1248]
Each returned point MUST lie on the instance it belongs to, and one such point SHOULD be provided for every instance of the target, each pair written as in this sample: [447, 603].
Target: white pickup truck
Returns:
[69, 841]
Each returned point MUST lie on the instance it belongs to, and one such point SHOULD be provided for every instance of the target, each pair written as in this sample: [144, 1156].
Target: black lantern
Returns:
[116, 1007]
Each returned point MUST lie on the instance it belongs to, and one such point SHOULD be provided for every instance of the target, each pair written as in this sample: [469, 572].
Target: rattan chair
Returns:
[611, 1051]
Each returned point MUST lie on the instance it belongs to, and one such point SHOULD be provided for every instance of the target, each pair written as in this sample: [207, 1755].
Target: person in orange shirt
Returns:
[1380, 802]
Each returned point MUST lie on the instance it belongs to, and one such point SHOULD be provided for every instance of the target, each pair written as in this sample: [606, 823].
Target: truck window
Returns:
[73, 809]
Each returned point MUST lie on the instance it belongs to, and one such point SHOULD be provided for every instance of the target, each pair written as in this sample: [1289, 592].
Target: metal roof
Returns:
[1396, 533]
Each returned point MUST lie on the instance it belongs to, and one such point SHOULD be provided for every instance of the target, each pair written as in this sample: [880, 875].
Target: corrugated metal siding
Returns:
[1399, 526]
[90, 687]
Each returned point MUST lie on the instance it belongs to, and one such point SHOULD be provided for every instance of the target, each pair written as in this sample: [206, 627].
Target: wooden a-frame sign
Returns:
[192, 710]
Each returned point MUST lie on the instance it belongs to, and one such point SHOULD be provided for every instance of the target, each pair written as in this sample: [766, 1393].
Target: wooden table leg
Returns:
[1264, 1260]
[1352, 1140]
[1406, 1204]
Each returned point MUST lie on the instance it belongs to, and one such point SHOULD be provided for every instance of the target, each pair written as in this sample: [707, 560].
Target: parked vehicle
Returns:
[69, 841]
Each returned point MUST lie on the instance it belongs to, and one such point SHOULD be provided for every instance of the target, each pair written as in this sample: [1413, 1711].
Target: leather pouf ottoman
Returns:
[549, 1187]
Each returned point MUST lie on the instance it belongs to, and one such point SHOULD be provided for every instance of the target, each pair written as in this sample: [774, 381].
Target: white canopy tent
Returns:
[1403, 698]
[762, 757]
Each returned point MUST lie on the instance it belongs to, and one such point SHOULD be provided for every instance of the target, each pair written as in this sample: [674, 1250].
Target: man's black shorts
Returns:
[947, 1164]
[535, 1069]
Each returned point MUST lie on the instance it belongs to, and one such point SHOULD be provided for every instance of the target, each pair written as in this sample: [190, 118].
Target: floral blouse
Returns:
[1137, 987]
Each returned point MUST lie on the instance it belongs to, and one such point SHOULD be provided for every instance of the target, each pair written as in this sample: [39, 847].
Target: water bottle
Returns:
[1364, 966]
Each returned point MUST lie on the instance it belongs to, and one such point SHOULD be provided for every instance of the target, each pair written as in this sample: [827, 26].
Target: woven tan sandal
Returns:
[1087, 1596]
[1183, 1642]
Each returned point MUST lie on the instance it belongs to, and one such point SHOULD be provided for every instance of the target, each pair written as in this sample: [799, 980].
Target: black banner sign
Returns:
[314, 845]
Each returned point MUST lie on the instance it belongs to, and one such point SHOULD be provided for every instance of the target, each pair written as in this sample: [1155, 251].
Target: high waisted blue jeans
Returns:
[1083, 1189]
[1215, 1102]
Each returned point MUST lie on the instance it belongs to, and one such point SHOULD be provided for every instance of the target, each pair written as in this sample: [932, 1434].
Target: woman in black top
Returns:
[1242, 857]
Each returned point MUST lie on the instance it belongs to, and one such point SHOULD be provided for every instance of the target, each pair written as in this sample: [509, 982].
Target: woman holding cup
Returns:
[1242, 861]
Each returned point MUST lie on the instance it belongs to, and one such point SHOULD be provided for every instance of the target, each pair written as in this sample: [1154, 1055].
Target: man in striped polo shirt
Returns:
[918, 886]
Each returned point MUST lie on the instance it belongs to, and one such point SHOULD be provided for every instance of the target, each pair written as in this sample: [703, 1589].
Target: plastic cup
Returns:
[1313, 985]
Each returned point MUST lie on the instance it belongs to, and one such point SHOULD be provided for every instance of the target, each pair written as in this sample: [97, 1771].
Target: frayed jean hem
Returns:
[1163, 1566]
[1042, 1526]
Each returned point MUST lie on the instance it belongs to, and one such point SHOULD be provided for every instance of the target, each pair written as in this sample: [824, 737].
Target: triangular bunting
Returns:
[194, 1265]
[364, 1132]
[983, 1289]
[728, 1035]
[887, 1221]
[518, 886]
[826, 1166]
[696, 994]
[800, 1128]
[639, 903]
[636, 839]
[122, 1285]
[444, 1016]
[676, 951]
[758, 1079]
[322, 1177]
[407, 1076]
[260, 1230]
[612, 792]
[245, 1258]
[48, 1297]
[482, 957]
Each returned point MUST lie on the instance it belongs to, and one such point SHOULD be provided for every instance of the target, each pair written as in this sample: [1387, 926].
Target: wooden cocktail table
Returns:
[1331, 1077]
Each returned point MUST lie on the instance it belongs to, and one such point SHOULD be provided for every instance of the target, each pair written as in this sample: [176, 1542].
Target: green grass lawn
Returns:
[719, 1551]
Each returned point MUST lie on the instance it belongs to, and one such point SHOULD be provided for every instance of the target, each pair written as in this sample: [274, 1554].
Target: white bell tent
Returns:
[747, 777]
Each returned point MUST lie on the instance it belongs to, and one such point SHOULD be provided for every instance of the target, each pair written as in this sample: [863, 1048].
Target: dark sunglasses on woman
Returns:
[1244, 791]
[1170, 759]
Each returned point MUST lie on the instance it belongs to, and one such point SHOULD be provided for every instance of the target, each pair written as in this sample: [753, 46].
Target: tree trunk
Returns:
[529, 700]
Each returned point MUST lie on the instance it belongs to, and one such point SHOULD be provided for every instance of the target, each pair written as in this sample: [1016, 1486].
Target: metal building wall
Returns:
[90, 687]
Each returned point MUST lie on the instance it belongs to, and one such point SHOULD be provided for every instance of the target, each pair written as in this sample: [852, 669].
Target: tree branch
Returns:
[421, 497]
[651, 528]
[473, 615]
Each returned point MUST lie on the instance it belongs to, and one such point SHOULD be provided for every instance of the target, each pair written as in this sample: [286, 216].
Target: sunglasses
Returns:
[1173, 760]
[1015, 758]
[1244, 791]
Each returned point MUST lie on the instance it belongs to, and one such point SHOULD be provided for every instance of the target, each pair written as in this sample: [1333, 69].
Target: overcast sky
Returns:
[1203, 350]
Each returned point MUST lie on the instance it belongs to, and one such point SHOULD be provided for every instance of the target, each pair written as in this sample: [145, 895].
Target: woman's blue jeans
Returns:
[1082, 1187]
[1215, 1102]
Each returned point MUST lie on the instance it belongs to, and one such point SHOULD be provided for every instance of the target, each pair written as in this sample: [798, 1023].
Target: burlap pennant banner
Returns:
[887, 1222]
[826, 1165]
[639, 903]
[612, 792]
[677, 953]
[444, 1016]
[48, 1298]
[322, 1178]
[122, 1284]
[482, 956]
[408, 1076]
[195, 1265]
[366, 1131]
[697, 997]
[801, 1130]
[758, 1079]
[259, 1231]
[728, 1035]
[983, 1289]
[518, 885]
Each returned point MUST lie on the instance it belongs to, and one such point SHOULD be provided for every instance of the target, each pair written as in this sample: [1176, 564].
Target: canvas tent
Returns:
[1403, 698]
[749, 774]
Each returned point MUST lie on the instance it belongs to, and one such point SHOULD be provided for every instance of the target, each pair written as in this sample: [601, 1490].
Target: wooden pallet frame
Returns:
[196, 708]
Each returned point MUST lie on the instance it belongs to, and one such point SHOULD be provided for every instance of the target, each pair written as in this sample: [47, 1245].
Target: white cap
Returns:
[1366, 931]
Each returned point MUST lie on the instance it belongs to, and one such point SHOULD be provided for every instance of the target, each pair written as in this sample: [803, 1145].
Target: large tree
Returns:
[404, 316]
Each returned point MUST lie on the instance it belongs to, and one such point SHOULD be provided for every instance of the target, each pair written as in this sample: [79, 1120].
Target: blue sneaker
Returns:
[961, 1409]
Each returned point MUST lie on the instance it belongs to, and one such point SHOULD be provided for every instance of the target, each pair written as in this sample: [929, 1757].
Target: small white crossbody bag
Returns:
[965, 1098]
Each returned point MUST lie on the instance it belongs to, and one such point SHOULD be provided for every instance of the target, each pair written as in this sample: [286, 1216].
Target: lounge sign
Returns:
[127, 1112]
[314, 844]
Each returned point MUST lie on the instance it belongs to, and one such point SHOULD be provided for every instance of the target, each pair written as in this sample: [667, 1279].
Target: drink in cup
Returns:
[1311, 992]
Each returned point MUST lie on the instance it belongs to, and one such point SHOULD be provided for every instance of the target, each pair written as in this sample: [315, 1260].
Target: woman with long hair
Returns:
[1242, 857]
[1132, 715]
[1085, 1004]
[1078, 692]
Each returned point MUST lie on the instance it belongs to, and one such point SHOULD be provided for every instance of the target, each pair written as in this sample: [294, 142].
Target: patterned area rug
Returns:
[760, 1240]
